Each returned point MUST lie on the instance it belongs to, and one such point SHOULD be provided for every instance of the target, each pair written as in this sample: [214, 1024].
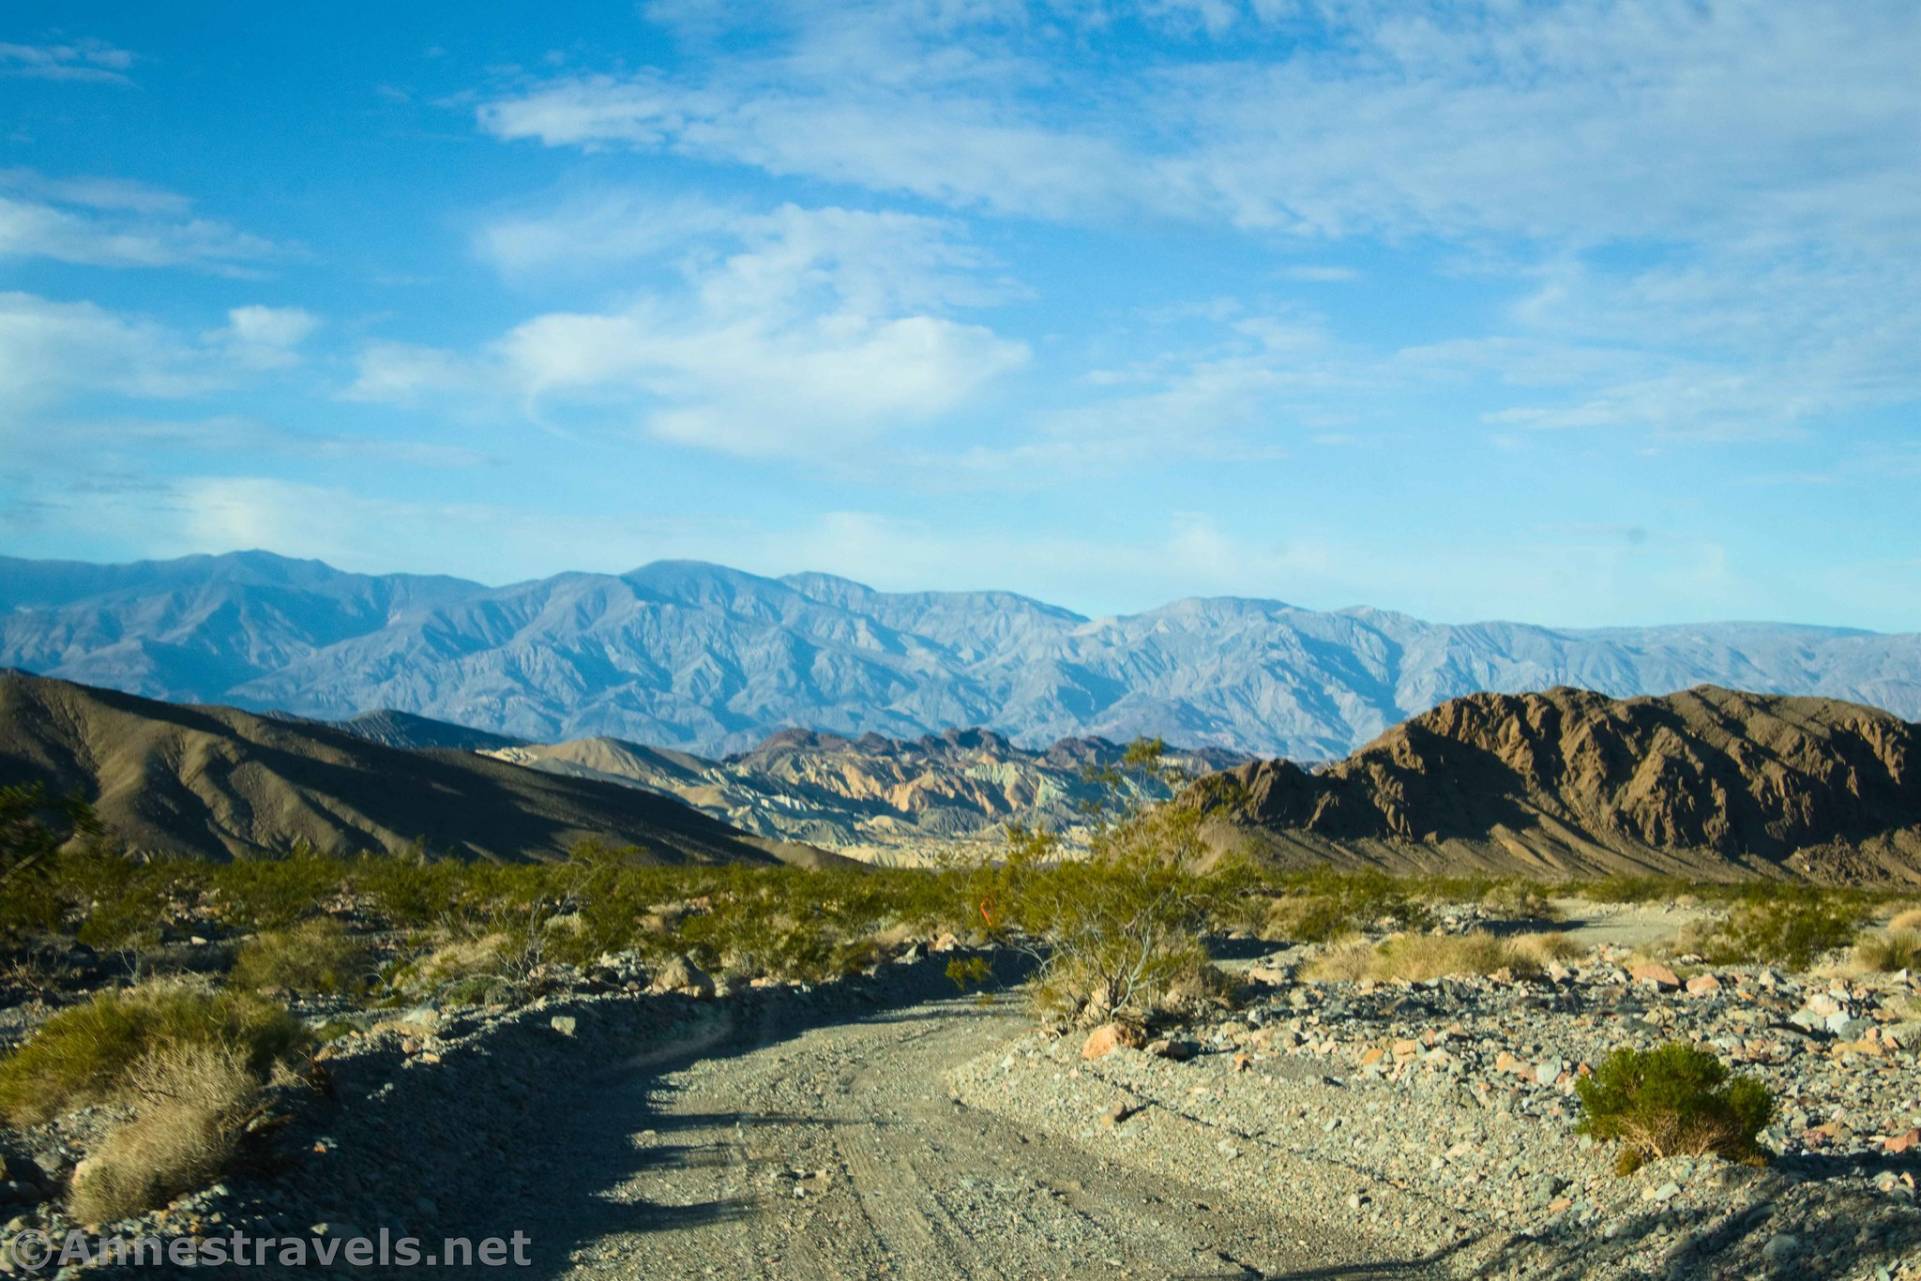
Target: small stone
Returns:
[1902, 1142]
[1703, 985]
[565, 1024]
[1549, 1071]
[1781, 1247]
[1118, 1113]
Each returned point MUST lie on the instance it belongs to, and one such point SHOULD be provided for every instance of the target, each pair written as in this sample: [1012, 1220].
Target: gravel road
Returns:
[838, 1151]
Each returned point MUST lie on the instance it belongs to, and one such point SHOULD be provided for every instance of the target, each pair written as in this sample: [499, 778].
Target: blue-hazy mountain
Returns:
[690, 655]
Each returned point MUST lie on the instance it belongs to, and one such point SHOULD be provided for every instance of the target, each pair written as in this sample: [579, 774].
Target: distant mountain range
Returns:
[1708, 782]
[213, 782]
[703, 658]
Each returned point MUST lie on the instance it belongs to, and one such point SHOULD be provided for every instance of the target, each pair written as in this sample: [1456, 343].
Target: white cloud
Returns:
[53, 351]
[1700, 207]
[85, 60]
[49, 350]
[810, 330]
[259, 337]
[107, 222]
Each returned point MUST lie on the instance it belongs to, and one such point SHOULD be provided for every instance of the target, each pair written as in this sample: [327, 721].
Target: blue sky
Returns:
[1579, 313]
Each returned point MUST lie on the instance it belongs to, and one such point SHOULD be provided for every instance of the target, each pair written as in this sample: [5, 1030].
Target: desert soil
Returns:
[840, 1152]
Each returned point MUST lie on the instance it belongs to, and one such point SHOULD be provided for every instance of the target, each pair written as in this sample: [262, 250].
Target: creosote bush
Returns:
[86, 1054]
[1118, 933]
[192, 1101]
[313, 957]
[1325, 904]
[1519, 901]
[1678, 1100]
[1792, 932]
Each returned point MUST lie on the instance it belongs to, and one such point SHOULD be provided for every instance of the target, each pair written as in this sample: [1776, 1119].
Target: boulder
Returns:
[683, 976]
[1657, 976]
[1111, 1036]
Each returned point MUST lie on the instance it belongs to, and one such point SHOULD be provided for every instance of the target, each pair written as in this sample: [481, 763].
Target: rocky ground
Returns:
[885, 1126]
[1442, 1115]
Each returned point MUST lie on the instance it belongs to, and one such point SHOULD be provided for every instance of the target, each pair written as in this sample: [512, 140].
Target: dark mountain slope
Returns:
[1709, 781]
[217, 782]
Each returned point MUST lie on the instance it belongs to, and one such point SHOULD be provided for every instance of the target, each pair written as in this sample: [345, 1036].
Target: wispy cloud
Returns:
[105, 222]
[86, 61]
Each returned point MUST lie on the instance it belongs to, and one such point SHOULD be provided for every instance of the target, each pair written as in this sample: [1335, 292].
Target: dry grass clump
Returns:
[1542, 950]
[314, 957]
[1896, 949]
[465, 968]
[1906, 919]
[1677, 1100]
[1418, 958]
[193, 1104]
[86, 1054]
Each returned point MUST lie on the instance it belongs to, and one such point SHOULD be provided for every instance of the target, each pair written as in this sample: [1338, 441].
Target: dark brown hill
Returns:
[220, 783]
[1708, 782]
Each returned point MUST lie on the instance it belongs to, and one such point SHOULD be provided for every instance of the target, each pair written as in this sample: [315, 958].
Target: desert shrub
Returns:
[314, 957]
[85, 1054]
[1418, 958]
[1325, 904]
[1677, 1100]
[192, 1103]
[468, 969]
[1626, 889]
[275, 893]
[1906, 919]
[1117, 934]
[1518, 901]
[1884, 953]
[34, 828]
[1792, 932]
[970, 971]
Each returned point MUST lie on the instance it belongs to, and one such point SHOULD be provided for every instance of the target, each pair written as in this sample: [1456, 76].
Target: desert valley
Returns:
[1004, 640]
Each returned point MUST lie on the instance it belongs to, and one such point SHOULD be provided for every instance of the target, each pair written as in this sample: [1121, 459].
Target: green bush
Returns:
[84, 1054]
[1677, 1100]
[317, 957]
[1792, 932]
[1118, 933]
[1325, 904]
[1519, 901]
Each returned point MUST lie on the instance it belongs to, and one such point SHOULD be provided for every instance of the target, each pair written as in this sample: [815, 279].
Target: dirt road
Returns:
[836, 1151]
